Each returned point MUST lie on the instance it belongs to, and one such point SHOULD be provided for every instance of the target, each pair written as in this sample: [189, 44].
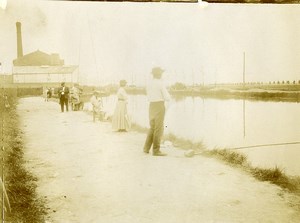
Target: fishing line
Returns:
[265, 145]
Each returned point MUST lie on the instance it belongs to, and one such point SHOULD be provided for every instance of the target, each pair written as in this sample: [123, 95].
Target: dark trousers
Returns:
[156, 118]
[64, 102]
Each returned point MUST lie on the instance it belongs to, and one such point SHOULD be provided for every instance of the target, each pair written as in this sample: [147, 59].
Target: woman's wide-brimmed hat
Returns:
[157, 70]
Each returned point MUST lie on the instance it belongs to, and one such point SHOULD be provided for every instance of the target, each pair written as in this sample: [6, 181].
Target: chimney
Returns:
[19, 40]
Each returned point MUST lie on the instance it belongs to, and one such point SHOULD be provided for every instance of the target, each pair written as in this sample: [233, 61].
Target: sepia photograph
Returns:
[150, 111]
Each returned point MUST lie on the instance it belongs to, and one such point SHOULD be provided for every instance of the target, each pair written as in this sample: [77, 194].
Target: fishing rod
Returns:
[191, 153]
[265, 145]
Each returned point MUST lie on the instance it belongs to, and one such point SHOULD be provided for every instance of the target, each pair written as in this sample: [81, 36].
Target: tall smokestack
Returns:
[19, 40]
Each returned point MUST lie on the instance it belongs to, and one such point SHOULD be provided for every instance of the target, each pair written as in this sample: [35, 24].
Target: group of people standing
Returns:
[157, 95]
[64, 94]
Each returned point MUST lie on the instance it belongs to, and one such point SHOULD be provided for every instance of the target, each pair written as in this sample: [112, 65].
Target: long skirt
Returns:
[120, 119]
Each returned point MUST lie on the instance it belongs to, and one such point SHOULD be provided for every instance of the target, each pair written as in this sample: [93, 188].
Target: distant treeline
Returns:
[283, 91]
[248, 95]
[278, 86]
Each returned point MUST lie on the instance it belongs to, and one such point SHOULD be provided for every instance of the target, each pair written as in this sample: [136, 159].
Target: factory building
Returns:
[39, 68]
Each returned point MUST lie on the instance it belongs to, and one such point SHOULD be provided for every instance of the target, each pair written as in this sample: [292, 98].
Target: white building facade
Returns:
[45, 75]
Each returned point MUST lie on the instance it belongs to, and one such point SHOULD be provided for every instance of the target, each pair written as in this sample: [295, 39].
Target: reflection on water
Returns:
[230, 124]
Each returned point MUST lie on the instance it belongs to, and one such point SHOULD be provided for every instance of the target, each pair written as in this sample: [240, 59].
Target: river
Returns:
[231, 123]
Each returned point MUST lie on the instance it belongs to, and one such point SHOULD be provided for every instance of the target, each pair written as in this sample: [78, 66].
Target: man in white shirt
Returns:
[157, 95]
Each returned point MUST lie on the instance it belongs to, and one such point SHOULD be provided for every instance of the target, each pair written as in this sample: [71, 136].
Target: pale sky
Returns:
[113, 41]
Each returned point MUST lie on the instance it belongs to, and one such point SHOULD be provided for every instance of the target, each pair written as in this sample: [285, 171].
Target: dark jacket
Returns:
[63, 93]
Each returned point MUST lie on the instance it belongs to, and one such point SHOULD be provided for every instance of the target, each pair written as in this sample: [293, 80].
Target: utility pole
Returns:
[244, 69]
[202, 77]
[193, 78]
[216, 72]
[244, 104]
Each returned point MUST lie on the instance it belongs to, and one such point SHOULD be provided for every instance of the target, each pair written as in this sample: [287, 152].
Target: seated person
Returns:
[97, 104]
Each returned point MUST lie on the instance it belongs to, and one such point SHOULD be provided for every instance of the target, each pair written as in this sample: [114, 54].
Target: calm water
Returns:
[231, 124]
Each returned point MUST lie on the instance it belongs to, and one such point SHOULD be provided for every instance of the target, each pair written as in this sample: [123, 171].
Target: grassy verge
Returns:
[274, 175]
[19, 183]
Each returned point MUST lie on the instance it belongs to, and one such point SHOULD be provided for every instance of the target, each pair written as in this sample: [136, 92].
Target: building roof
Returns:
[44, 69]
[38, 58]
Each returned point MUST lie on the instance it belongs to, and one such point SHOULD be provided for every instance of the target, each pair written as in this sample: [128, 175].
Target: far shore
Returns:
[260, 92]
[288, 93]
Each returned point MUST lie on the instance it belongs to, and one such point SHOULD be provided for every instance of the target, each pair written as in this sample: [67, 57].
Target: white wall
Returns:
[43, 78]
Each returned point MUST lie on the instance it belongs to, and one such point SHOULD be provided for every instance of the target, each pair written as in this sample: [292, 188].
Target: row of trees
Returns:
[182, 86]
[283, 82]
[264, 83]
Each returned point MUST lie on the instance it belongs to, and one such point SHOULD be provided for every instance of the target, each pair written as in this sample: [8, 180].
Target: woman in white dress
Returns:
[120, 120]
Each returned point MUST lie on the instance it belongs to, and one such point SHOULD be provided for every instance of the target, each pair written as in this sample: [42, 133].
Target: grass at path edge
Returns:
[273, 175]
[19, 182]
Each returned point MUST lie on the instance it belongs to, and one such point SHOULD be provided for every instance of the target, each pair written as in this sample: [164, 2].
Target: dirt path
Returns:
[90, 174]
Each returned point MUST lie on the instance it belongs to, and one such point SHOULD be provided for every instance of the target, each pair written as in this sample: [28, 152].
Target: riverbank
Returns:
[274, 175]
[87, 173]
